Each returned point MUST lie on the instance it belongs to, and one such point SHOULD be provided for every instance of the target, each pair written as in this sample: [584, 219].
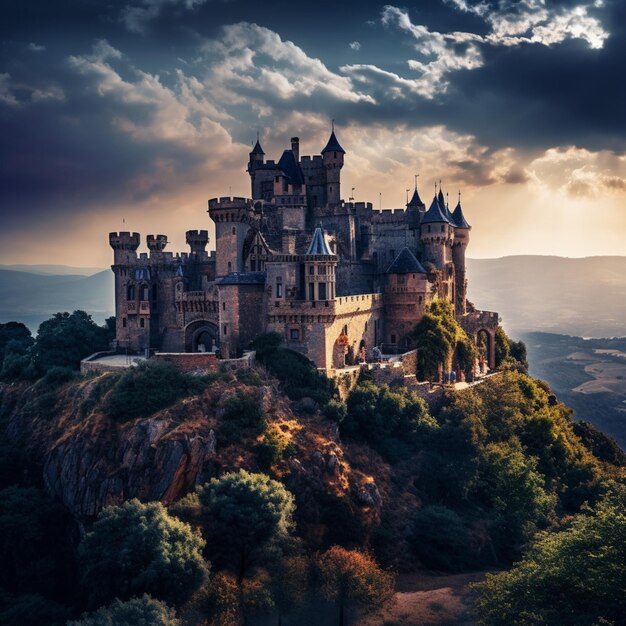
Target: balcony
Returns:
[144, 307]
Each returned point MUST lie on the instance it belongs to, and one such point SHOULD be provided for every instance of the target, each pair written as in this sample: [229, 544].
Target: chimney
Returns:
[295, 148]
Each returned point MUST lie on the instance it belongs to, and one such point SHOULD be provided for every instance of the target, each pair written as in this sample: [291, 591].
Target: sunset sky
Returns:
[130, 115]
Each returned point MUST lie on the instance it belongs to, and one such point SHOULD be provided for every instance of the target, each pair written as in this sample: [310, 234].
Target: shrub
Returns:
[139, 548]
[439, 538]
[149, 387]
[272, 447]
[336, 410]
[144, 611]
[241, 412]
[58, 375]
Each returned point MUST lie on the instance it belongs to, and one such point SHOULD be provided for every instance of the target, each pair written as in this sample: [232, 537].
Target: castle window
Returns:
[223, 306]
[144, 292]
[311, 269]
[234, 231]
[225, 329]
[393, 338]
[130, 293]
[142, 322]
[294, 334]
[123, 322]
[230, 265]
[443, 228]
[365, 326]
[322, 291]
[279, 289]
[311, 291]
[154, 292]
[331, 189]
[321, 269]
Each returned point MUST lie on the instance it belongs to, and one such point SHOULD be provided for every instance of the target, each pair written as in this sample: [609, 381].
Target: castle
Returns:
[333, 278]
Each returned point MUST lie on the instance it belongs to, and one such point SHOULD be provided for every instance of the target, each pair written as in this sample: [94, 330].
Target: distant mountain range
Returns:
[582, 297]
[31, 297]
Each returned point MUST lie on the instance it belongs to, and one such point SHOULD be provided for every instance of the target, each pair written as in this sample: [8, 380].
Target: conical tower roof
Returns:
[405, 263]
[318, 244]
[415, 201]
[333, 145]
[257, 148]
[435, 213]
[458, 219]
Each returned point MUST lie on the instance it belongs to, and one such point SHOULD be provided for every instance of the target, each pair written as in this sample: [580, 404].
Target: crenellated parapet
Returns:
[124, 240]
[197, 240]
[156, 243]
[227, 209]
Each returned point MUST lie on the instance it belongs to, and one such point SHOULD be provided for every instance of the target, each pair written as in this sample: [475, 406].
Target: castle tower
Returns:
[197, 240]
[156, 245]
[232, 218]
[320, 266]
[256, 160]
[436, 235]
[459, 247]
[124, 246]
[405, 299]
[332, 156]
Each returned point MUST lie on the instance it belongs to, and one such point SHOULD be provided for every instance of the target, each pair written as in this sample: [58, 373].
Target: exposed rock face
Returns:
[90, 460]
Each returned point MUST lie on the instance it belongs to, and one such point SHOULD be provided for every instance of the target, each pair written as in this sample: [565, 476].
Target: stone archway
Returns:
[201, 334]
[485, 342]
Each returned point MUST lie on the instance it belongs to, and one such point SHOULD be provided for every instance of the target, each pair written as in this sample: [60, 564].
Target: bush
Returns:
[439, 538]
[298, 374]
[144, 611]
[58, 375]
[149, 387]
[272, 447]
[377, 414]
[241, 412]
[336, 410]
[139, 548]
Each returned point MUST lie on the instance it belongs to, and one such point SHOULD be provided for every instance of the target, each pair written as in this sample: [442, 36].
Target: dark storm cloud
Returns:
[71, 140]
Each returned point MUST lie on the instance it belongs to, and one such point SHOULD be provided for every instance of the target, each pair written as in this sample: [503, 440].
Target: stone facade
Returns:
[333, 278]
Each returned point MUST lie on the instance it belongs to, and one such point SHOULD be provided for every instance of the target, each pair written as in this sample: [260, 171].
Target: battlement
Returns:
[124, 240]
[317, 158]
[197, 240]
[226, 202]
[156, 243]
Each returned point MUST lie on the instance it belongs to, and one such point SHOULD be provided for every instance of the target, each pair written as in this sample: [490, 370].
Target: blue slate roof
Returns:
[435, 213]
[415, 201]
[243, 278]
[406, 263]
[333, 145]
[290, 168]
[458, 219]
[257, 148]
[318, 244]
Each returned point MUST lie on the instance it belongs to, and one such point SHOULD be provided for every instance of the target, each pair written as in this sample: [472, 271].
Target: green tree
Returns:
[289, 585]
[517, 496]
[353, 578]
[144, 611]
[138, 548]
[502, 346]
[15, 336]
[244, 514]
[439, 538]
[65, 339]
[575, 577]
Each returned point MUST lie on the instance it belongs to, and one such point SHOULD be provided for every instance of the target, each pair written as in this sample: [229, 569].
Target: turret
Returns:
[320, 266]
[436, 234]
[197, 240]
[256, 160]
[295, 148]
[405, 299]
[156, 243]
[332, 156]
[459, 247]
[124, 246]
[232, 217]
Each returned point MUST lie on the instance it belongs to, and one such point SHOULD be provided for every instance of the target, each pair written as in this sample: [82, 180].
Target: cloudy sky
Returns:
[132, 114]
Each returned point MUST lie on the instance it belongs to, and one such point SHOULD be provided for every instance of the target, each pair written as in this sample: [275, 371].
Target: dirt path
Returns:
[428, 600]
